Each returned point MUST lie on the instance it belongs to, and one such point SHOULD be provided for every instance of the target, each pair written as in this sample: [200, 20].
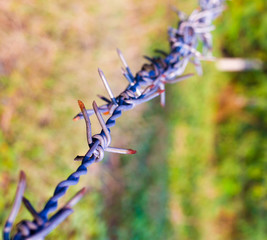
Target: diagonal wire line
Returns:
[147, 84]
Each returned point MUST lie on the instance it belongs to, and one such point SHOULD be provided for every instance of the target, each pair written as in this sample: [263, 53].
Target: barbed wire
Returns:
[147, 84]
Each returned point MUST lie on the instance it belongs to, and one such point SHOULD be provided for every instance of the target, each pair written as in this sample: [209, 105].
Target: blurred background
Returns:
[200, 168]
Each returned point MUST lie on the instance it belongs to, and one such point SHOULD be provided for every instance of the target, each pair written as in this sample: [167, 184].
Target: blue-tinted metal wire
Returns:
[148, 83]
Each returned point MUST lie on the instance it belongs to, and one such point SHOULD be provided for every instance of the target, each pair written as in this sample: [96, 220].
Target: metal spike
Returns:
[104, 98]
[16, 206]
[162, 95]
[146, 98]
[87, 122]
[112, 150]
[60, 216]
[77, 117]
[204, 29]
[102, 122]
[31, 209]
[180, 78]
[120, 150]
[148, 58]
[80, 115]
[206, 13]
[122, 58]
[78, 158]
[125, 64]
[101, 74]
[54, 221]
[207, 58]
[126, 75]
[198, 66]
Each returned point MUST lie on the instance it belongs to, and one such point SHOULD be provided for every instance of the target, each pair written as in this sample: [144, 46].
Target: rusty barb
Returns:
[148, 83]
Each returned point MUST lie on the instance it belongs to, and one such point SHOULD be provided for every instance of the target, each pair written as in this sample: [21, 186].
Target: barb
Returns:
[107, 86]
[33, 212]
[147, 84]
[18, 199]
[38, 229]
[129, 74]
[87, 122]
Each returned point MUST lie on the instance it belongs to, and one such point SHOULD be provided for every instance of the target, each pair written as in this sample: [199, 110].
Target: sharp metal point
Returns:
[125, 74]
[120, 150]
[87, 122]
[16, 206]
[78, 158]
[104, 98]
[146, 98]
[180, 78]
[58, 217]
[101, 74]
[76, 118]
[102, 122]
[122, 58]
[162, 96]
[131, 78]
[31, 209]
[53, 222]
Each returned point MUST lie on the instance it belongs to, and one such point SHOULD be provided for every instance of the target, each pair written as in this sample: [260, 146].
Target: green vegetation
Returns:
[241, 144]
[200, 168]
[218, 155]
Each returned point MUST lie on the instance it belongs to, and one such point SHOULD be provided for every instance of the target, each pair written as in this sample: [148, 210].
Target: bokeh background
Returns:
[200, 170]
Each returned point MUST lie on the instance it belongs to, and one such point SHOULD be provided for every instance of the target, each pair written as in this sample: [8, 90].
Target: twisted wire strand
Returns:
[147, 84]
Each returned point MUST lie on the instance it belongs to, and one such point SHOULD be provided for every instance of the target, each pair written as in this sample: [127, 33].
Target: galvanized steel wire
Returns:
[147, 84]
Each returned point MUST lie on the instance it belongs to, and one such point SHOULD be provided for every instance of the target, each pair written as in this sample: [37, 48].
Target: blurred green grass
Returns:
[218, 158]
[199, 171]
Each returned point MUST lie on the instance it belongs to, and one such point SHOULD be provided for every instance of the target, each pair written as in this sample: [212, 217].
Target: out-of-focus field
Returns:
[200, 168]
